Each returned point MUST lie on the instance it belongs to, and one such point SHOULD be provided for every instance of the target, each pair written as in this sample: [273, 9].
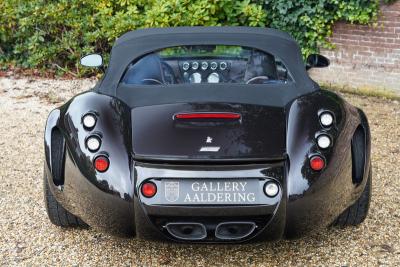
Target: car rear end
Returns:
[209, 172]
[210, 143]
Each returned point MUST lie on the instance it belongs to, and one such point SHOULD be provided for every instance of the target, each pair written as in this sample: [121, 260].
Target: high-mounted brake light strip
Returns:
[208, 115]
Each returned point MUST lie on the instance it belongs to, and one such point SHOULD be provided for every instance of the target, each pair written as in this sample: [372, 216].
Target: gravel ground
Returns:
[28, 238]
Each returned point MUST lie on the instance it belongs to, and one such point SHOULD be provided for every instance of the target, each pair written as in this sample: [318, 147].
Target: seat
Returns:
[261, 67]
[147, 70]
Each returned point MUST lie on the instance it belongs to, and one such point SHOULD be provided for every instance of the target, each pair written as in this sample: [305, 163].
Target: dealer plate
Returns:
[210, 191]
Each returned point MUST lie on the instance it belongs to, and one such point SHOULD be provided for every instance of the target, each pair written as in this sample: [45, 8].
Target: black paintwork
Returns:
[269, 142]
[260, 134]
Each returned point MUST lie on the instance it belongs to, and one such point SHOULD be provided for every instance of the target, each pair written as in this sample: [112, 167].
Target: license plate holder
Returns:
[241, 191]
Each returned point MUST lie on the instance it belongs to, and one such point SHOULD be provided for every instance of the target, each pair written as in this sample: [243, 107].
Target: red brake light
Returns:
[317, 163]
[101, 163]
[149, 189]
[207, 115]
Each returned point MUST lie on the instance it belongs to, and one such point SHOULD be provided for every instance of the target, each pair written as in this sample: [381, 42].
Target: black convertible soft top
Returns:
[136, 44]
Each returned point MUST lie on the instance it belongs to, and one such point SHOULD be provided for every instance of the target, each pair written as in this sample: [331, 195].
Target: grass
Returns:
[363, 91]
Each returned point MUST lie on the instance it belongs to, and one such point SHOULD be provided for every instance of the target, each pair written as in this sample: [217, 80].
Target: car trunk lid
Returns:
[208, 132]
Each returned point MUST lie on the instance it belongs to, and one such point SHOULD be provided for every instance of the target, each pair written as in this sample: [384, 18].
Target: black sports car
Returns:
[207, 134]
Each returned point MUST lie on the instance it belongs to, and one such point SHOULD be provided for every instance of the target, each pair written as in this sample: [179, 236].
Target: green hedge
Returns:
[54, 34]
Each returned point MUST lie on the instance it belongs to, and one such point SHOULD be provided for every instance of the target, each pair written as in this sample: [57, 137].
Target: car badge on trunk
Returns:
[171, 191]
[209, 140]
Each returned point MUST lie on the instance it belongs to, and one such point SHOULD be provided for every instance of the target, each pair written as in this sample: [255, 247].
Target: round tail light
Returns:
[324, 141]
[317, 163]
[326, 119]
[93, 143]
[149, 189]
[101, 163]
[271, 189]
[89, 121]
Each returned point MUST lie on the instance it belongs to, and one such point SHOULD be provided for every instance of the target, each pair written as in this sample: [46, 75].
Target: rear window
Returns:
[207, 64]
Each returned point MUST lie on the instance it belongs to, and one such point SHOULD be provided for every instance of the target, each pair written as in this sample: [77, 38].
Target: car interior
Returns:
[206, 64]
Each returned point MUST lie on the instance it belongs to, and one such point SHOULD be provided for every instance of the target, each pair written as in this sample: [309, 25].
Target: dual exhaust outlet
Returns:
[193, 231]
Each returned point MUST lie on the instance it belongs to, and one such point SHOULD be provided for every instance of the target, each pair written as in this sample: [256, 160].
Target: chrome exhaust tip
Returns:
[234, 230]
[189, 231]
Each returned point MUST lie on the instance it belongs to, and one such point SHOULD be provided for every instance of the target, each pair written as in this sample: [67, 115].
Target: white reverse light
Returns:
[93, 143]
[89, 121]
[271, 189]
[326, 119]
[323, 141]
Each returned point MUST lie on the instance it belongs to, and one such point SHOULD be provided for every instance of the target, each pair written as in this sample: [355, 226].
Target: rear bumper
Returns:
[153, 220]
[268, 226]
[117, 206]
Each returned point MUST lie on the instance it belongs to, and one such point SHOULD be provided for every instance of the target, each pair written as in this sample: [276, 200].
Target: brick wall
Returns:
[365, 56]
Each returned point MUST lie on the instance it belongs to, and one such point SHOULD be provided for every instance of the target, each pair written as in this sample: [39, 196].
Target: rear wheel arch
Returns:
[57, 214]
[358, 211]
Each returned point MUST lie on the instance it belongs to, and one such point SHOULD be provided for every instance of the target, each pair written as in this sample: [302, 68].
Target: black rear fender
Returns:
[102, 199]
[316, 198]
